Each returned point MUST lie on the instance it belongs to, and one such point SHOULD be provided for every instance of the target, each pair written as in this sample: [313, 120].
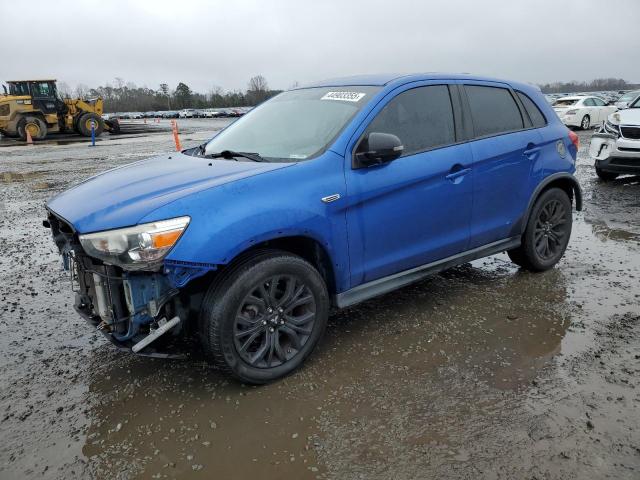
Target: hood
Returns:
[122, 196]
[629, 116]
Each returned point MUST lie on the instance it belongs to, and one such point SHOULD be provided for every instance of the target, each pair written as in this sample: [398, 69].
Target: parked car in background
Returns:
[210, 113]
[149, 114]
[615, 147]
[170, 114]
[627, 99]
[354, 188]
[135, 115]
[582, 111]
[188, 113]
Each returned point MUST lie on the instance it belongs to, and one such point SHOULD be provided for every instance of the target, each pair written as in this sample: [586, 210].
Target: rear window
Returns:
[493, 110]
[536, 116]
[566, 102]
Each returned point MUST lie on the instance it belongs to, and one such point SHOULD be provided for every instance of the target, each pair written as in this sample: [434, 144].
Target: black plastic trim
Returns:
[387, 284]
[577, 191]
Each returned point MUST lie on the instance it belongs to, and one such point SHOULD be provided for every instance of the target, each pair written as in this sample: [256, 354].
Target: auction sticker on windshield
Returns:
[344, 96]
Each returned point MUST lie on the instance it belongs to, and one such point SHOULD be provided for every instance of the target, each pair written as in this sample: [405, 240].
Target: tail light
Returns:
[573, 136]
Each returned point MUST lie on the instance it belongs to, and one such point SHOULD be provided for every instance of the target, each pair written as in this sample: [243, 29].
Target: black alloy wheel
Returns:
[274, 321]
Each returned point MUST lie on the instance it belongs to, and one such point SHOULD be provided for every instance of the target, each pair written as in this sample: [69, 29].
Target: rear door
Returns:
[417, 208]
[603, 110]
[590, 108]
[505, 148]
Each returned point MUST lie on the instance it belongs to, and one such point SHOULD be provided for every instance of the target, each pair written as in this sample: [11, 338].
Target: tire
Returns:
[585, 124]
[606, 176]
[35, 125]
[244, 325]
[84, 124]
[547, 234]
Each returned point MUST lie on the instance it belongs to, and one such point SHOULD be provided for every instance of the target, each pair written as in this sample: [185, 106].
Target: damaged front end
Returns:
[603, 143]
[123, 288]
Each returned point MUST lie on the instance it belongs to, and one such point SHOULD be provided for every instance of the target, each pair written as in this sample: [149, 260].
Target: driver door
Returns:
[416, 209]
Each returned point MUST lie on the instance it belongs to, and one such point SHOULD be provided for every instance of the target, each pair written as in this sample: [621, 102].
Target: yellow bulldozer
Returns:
[34, 106]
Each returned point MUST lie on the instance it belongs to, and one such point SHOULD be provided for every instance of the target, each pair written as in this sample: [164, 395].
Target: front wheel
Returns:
[547, 233]
[85, 121]
[264, 316]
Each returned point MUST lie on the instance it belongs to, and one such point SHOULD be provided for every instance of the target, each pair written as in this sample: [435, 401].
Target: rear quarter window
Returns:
[493, 110]
[536, 116]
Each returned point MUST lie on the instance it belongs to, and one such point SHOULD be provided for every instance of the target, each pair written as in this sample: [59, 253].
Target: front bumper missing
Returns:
[127, 345]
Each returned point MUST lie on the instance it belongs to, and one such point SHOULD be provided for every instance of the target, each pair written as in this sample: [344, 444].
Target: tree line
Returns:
[599, 84]
[121, 96]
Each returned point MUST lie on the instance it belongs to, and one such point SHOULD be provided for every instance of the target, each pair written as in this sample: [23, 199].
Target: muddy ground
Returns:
[484, 371]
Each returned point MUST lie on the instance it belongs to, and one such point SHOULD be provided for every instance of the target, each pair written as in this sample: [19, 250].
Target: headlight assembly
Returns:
[142, 247]
[611, 128]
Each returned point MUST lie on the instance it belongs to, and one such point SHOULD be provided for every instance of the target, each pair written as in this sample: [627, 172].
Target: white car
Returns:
[187, 113]
[615, 147]
[582, 111]
[627, 99]
[210, 113]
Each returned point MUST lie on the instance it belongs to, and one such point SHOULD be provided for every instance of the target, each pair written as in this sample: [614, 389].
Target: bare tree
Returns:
[81, 90]
[258, 84]
[258, 90]
[64, 89]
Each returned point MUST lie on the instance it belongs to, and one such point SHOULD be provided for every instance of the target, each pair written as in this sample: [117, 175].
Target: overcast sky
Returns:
[223, 43]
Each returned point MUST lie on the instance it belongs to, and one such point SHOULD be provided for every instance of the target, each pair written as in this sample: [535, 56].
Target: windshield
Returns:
[627, 97]
[635, 104]
[295, 125]
[567, 102]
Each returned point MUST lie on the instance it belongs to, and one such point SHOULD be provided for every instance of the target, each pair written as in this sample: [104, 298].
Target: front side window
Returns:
[40, 89]
[294, 126]
[598, 103]
[536, 116]
[493, 110]
[422, 118]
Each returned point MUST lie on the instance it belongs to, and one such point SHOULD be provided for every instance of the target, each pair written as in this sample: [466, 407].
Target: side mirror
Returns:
[377, 148]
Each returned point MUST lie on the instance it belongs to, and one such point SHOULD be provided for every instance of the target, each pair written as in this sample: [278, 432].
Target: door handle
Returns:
[457, 174]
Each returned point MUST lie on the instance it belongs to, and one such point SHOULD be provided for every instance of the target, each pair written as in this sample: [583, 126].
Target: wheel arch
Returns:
[562, 180]
[305, 247]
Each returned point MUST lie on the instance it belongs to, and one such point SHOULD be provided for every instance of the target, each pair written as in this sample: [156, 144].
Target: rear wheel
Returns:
[585, 123]
[84, 124]
[547, 234]
[34, 125]
[263, 317]
[606, 176]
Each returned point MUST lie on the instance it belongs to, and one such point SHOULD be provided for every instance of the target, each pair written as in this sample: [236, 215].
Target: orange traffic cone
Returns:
[176, 138]
[29, 139]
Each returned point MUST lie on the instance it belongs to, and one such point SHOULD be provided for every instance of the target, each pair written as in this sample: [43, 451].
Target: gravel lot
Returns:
[483, 371]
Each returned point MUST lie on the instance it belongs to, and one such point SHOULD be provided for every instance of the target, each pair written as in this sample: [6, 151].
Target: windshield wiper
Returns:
[230, 155]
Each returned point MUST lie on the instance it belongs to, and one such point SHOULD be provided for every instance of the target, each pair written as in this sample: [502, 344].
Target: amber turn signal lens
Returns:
[165, 239]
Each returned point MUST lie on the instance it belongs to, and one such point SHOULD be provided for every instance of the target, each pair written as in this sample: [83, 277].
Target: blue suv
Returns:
[324, 196]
